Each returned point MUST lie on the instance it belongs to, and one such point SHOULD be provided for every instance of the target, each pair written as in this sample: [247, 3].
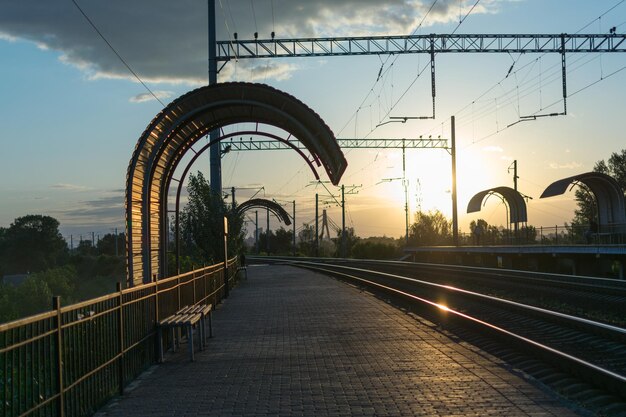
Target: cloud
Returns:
[70, 187]
[141, 98]
[166, 42]
[568, 165]
[7, 37]
[104, 210]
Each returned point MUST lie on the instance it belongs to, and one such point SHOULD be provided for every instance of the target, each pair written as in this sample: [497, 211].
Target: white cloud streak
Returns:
[143, 97]
[70, 187]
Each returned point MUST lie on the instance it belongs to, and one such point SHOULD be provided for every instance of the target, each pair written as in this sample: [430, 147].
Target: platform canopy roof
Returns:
[607, 193]
[514, 200]
[275, 208]
[178, 127]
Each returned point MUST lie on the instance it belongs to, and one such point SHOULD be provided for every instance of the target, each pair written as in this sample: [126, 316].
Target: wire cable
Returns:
[371, 90]
[116, 53]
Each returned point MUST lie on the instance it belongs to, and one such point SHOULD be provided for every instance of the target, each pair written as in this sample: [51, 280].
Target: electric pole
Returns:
[455, 218]
[317, 222]
[294, 227]
[215, 156]
[343, 223]
[256, 231]
[515, 177]
[406, 194]
[267, 233]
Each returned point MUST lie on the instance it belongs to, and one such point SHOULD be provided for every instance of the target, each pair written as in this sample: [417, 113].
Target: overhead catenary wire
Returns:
[93, 25]
[371, 90]
[542, 81]
[396, 102]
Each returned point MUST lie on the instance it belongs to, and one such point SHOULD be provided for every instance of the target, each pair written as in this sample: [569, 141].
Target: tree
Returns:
[306, 238]
[616, 168]
[34, 296]
[202, 222]
[350, 240]
[479, 229]
[32, 243]
[281, 241]
[3, 232]
[431, 228]
[109, 246]
[374, 248]
[86, 248]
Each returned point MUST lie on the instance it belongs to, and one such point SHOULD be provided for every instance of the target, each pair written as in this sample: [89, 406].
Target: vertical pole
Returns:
[225, 259]
[120, 337]
[294, 227]
[515, 177]
[93, 239]
[215, 158]
[556, 234]
[343, 222]
[317, 222]
[71, 243]
[267, 233]
[232, 193]
[56, 305]
[406, 194]
[256, 231]
[563, 74]
[455, 219]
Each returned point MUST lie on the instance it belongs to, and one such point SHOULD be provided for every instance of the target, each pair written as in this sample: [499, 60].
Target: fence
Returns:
[613, 234]
[71, 360]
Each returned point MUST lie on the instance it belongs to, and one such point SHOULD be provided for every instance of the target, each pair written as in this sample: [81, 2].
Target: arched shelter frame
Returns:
[514, 201]
[177, 128]
[607, 193]
[275, 208]
[197, 153]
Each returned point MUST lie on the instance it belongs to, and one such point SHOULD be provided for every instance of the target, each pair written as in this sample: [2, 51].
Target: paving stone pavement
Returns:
[290, 342]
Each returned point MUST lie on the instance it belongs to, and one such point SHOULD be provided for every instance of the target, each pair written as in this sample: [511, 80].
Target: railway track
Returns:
[597, 299]
[588, 350]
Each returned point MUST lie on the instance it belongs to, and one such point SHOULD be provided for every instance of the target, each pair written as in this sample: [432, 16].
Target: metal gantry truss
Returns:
[431, 44]
[266, 145]
[413, 44]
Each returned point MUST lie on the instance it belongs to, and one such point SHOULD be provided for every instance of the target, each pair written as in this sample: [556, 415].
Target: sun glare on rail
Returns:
[443, 307]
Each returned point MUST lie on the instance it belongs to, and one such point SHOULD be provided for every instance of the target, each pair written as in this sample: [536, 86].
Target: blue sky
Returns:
[72, 113]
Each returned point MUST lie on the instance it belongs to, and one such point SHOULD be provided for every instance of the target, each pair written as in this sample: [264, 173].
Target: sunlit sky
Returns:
[71, 112]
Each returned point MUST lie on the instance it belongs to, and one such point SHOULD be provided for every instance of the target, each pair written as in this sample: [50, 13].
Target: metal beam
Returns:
[264, 145]
[426, 44]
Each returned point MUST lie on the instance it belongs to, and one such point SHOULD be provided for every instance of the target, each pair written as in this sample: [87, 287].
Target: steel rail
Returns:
[570, 280]
[608, 379]
[579, 320]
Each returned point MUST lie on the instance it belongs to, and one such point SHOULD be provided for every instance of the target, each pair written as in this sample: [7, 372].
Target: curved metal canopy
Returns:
[514, 200]
[272, 206]
[181, 124]
[606, 190]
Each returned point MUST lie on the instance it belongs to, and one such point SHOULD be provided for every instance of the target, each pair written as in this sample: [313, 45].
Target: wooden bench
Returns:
[187, 317]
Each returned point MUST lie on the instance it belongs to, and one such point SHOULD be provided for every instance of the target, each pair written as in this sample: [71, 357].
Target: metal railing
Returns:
[70, 361]
[613, 234]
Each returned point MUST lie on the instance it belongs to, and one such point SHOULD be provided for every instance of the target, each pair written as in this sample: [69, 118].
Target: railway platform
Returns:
[290, 342]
